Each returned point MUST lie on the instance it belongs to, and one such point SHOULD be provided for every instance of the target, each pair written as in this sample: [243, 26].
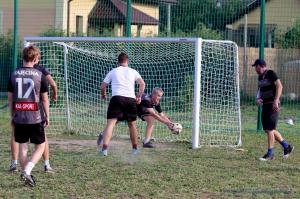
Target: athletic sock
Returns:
[284, 144]
[47, 163]
[14, 162]
[104, 147]
[134, 146]
[28, 168]
[146, 140]
[270, 151]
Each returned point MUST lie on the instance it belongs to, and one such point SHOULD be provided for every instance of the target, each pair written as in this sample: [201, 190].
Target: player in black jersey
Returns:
[150, 110]
[269, 92]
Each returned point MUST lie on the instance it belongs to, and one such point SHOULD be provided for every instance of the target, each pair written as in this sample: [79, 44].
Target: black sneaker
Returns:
[288, 151]
[28, 179]
[13, 168]
[267, 157]
[100, 138]
[148, 145]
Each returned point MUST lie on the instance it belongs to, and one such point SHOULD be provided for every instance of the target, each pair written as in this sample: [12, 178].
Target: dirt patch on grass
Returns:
[73, 144]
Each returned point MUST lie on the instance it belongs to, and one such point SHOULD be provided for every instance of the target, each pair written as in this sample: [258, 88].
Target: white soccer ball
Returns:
[292, 96]
[176, 128]
[289, 121]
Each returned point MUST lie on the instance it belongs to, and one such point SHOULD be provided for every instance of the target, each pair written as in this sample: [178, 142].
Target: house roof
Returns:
[251, 5]
[156, 1]
[116, 11]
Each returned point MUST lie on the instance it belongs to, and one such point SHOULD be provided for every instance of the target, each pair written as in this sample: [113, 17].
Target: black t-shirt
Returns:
[42, 68]
[147, 103]
[266, 85]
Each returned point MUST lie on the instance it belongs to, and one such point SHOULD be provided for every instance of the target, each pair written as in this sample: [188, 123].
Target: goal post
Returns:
[199, 78]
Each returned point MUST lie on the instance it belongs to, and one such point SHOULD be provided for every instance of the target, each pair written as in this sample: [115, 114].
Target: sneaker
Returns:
[28, 179]
[13, 168]
[103, 152]
[148, 145]
[267, 157]
[288, 151]
[135, 151]
[48, 169]
[100, 138]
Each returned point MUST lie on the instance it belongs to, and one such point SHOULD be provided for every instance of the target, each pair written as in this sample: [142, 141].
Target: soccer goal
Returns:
[199, 77]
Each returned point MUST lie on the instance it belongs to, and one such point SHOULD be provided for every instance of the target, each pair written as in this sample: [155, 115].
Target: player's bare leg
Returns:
[133, 136]
[287, 148]
[14, 146]
[149, 129]
[47, 166]
[23, 155]
[107, 134]
[271, 140]
[36, 156]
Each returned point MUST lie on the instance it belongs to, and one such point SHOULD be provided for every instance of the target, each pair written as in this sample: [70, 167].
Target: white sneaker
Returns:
[48, 169]
[135, 151]
[103, 152]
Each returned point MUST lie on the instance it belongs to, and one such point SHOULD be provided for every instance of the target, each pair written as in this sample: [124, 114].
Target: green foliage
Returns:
[186, 96]
[190, 16]
[6, 58]
[53, 32]
[290, 38]
[200, 30]
[6, 42]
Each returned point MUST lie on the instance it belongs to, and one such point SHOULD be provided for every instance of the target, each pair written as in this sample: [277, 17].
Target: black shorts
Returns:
[143, 115]
[34, 133]
[122, 108]
[142, 112]
[269, 117]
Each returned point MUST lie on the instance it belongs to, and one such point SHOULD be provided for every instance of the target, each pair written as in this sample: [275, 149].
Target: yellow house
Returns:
[35, 16]
[278, 16]
[111, 15]
[81, 17]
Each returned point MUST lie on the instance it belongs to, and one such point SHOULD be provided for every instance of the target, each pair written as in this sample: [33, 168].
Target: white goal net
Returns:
[199, 79]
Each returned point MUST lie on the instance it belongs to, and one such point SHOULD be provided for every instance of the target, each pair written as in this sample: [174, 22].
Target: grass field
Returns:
[172, 170]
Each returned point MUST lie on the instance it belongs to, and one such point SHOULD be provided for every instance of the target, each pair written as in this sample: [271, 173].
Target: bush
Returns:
[6, 58]
[200, 31]
[53, 32]
[290, 38]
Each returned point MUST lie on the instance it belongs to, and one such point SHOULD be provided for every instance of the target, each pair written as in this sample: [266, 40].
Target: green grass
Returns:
[172, 170]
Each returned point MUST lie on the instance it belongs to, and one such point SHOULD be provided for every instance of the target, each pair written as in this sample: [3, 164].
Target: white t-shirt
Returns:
[122, 81]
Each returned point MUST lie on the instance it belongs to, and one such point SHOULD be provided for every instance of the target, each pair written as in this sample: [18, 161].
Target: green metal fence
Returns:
[236, 20]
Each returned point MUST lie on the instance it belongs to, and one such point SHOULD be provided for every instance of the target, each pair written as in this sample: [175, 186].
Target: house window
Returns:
[79, 25]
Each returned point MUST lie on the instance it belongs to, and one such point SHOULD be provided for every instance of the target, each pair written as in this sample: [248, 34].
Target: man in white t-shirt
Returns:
[123, 104]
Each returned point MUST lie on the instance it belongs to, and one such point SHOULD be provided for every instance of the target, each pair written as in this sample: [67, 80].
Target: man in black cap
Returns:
[269, 92]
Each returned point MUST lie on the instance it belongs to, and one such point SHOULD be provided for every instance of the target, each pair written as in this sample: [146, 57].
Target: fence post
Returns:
[128, 21]
[16, 30]
[261, 53]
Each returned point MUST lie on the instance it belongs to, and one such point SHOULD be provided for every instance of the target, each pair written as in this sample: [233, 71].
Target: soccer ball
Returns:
[289, 121]
[176, 128]
[292, 96]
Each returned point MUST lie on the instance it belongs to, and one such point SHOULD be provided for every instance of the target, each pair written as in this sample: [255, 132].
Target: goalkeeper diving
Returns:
[150, 110]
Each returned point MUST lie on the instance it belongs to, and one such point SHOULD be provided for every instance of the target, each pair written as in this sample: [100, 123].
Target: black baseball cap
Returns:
[259, 62]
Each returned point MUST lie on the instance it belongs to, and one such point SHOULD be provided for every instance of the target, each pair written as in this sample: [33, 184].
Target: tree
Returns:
[290, 38]
[186, 15]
